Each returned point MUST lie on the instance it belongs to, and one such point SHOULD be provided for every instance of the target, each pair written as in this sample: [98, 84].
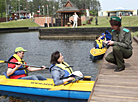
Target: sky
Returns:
[112, 4]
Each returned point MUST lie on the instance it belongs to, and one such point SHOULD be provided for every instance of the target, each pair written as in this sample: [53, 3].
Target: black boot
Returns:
[120, 69]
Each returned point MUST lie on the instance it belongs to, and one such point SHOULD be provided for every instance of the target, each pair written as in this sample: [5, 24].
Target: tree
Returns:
[53, 5]
[2, 8]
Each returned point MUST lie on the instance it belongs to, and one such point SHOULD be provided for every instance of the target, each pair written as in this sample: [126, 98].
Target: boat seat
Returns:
[6, 75]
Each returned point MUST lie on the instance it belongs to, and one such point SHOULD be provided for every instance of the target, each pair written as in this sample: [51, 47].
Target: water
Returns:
[75, 52]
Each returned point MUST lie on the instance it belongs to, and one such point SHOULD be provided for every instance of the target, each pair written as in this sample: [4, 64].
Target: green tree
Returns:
[2, 8]
[53, 5]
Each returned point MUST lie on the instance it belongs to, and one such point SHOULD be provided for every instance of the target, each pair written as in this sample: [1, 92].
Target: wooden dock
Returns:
[113, 86]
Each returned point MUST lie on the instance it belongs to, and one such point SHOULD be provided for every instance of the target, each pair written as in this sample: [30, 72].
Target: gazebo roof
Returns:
[69, 7]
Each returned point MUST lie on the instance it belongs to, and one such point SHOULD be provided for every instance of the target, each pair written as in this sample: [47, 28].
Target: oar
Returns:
[2, 61]
[74, 81]
[61, 86]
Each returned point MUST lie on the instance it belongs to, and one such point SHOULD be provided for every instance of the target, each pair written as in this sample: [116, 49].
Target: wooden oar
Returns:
[2, 61]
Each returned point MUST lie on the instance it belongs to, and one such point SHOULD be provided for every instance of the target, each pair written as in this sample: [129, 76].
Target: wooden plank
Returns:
[116, 93]
[103, 98]
[119, 83]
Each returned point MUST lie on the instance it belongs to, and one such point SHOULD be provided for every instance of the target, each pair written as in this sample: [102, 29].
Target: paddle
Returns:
[61, 86]
[2, 61]
[76, 79]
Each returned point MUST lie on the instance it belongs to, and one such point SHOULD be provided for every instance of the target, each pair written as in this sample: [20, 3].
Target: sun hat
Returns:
[20, 49]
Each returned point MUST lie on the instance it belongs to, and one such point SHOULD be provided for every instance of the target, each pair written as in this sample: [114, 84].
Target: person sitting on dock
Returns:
[98, 43]
[19, 71]
[121, 42]
[60, 69]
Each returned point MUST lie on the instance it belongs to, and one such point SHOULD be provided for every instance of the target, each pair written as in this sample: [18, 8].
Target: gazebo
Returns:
[68, 10]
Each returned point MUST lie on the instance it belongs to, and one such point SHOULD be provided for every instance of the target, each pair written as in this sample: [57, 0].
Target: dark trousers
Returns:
[118, 55]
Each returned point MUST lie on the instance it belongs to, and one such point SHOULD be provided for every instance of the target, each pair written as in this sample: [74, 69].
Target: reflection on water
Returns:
[75, 52]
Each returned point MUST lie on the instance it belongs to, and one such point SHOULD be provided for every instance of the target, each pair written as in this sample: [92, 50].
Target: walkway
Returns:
[113, 86]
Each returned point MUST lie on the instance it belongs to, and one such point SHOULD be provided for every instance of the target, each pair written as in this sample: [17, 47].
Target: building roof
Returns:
[69, 7]
[21, 11]
[120, 9]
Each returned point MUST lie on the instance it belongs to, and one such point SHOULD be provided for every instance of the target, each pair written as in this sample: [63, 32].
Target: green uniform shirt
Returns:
[122, 38]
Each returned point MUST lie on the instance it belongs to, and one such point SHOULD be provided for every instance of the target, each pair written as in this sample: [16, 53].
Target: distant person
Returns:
[96, 20]
[121, 43]
[20, 71]
[10, 18]
[120, 16]
[75, 19]
[15, 18]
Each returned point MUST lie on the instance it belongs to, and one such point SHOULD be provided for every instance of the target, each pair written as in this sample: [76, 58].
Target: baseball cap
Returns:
[116, 19]
[20, 49]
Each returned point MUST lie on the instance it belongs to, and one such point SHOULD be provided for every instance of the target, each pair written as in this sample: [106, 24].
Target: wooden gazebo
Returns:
[67, 11]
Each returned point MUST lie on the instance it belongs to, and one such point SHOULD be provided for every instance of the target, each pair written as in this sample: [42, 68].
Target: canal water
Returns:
[75, 52]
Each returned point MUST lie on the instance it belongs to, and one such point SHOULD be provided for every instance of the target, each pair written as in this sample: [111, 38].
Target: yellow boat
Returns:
[78, 90]
[97, 53]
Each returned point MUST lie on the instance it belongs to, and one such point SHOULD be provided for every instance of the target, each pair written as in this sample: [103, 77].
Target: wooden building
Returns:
[67, 11]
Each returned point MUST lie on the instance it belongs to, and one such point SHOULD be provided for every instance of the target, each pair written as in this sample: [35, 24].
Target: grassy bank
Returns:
[135, 34]
[127, 21]
[18, 23]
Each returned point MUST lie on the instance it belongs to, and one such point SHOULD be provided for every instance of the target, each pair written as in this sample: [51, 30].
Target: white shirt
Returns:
[75, 17]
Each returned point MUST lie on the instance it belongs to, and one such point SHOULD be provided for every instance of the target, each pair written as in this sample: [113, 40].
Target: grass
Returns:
[127, 21]
[19, 23]
[135, 34]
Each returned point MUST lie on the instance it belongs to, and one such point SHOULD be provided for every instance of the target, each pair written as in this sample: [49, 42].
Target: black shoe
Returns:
[120, 69]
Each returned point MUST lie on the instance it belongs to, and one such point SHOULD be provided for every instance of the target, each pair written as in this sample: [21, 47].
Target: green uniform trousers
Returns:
[118, 55]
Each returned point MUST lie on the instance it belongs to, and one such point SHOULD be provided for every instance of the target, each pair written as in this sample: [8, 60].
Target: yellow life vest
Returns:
[100, 43]
[105, 39]
[20, 60]
[65, 66]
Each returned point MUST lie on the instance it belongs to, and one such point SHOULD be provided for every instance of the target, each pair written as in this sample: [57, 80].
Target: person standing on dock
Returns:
[121, 42]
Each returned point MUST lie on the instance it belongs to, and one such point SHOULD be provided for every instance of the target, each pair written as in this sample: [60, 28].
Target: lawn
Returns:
[18, 23]
[127, 21]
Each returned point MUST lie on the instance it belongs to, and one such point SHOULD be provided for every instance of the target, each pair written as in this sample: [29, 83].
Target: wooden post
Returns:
[61, 19]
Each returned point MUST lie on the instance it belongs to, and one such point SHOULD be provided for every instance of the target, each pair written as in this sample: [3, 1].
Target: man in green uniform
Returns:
[121, 42]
